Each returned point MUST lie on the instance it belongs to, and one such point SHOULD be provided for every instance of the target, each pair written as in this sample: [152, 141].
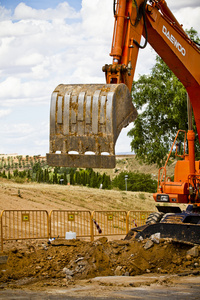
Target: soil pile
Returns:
[62, 262]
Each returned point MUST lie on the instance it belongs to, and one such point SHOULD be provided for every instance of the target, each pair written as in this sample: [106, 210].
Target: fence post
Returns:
[50, 224]
[126, 178]
[127, 222]
[1, 220]
[91, 227]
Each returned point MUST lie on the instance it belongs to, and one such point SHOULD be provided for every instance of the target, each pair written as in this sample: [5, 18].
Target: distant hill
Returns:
[128, 163]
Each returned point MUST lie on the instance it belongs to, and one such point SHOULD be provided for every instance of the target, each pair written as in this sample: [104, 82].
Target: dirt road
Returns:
[151, 287]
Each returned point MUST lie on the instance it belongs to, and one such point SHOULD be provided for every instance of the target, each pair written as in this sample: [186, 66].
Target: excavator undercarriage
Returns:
[171, 222]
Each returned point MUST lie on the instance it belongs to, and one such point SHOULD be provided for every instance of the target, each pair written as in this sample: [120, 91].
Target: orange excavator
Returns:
[85, 120]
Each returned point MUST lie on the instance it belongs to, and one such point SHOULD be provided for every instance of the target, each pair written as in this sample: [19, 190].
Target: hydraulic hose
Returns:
[114, 6]
[145, 25]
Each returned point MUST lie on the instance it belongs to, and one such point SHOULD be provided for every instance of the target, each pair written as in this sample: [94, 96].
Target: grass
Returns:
[142, 196]
[48, 197]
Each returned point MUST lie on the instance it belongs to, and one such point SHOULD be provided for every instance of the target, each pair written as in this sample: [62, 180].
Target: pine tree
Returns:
[55, 178]
[9, 175]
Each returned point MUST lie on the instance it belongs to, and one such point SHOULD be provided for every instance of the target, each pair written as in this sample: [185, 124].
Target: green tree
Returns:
[161, 100]
[46, 176]
[15, 173]
[29, 174]
[106, 181]
[72, 171]
[36, 167]
[65, 177]
[136, 182]
[4, 174]
[55, 177]
[93, 180]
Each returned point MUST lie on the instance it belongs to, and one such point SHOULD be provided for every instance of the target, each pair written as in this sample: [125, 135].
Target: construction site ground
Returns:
[111, 268]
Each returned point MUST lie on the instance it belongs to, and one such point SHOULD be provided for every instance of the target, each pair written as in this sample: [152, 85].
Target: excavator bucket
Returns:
[85, 122]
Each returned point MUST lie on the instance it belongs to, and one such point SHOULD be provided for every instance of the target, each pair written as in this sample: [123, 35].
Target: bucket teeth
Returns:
[88, 118]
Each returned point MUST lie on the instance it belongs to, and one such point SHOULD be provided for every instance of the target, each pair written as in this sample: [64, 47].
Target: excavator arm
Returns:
[87, 119]
[163, 32]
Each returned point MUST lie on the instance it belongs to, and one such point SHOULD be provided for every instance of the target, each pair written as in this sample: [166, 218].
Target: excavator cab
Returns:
[85, 122]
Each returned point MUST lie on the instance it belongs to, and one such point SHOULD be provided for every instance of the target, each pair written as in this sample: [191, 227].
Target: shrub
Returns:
[137, 181]
[18, 179]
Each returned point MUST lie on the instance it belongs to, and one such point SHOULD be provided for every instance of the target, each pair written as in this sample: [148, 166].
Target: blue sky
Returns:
[47, 42]
[39, 4]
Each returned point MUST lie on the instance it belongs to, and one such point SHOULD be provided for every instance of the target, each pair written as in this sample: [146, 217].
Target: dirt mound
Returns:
[62, 262]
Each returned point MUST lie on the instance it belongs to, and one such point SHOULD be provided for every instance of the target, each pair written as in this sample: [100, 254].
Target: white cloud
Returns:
[17, 131]
[182, 16]
[11, 88]
[178, 4]
[96, 22]
[24, 138]
[4, 112]
[123, 142]
[32, 59]
[62, 11]
[22, 28]
[4, 13]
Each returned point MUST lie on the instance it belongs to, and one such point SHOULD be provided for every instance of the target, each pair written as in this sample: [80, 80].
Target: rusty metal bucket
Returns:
[87, 119]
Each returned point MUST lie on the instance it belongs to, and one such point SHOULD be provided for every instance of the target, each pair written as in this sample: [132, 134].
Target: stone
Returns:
[38, 267]
[148, 271]
[3, 259]
[82, 263]
[194, 251]
[188, 257]
[78, 259]
[148, 245]
[68, 272]
[155, 237]
[118, 271]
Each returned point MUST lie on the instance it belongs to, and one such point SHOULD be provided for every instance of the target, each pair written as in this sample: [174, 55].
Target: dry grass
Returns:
[48, 197]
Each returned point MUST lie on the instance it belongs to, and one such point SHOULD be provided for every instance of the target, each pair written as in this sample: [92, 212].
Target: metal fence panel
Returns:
[62, 221]
[110, 222]
[24, 224]
[137, 218]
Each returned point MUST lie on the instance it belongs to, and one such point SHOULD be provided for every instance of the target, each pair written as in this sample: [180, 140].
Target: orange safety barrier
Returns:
[24, 224]
[62, 221]
[39, 224]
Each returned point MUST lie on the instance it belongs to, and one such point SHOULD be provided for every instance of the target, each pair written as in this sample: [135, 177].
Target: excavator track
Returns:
[177, 231]
[85, 122]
